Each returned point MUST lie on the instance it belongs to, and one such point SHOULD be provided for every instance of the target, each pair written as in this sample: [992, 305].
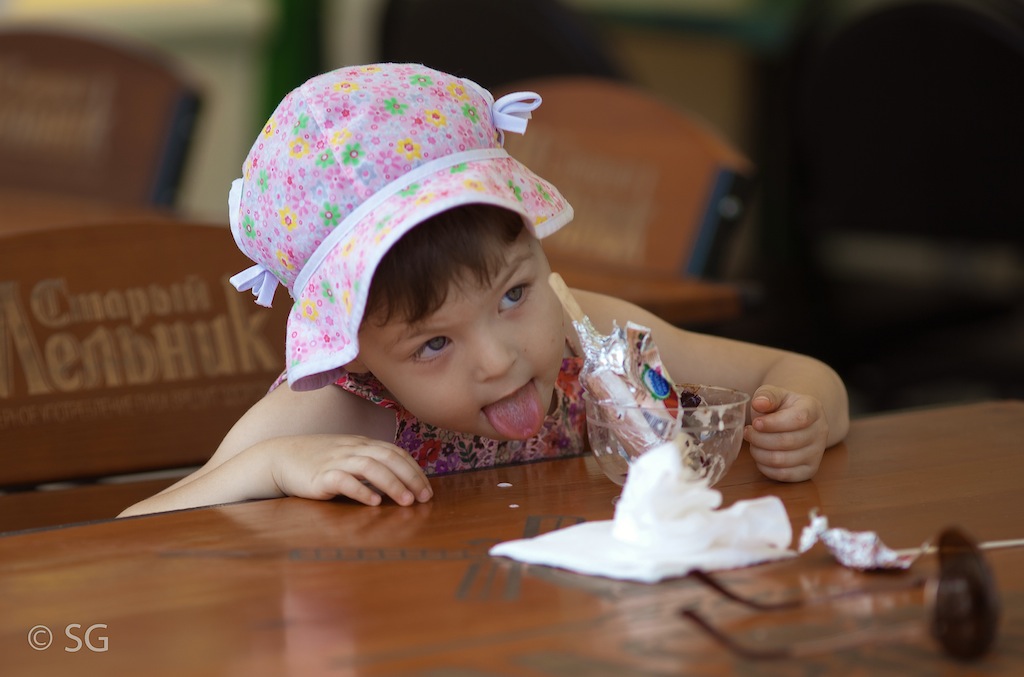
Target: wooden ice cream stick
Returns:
[998, 545]
[565, 296]
[929, 549]
[633, 428]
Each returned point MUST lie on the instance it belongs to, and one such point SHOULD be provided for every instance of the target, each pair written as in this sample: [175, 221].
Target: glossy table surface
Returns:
[292, 586]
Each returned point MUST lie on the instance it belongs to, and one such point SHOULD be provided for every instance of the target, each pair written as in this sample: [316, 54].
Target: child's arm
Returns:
[317, 444]
[799, 404]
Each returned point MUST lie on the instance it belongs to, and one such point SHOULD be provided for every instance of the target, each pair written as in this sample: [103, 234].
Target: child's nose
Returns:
[495, 353]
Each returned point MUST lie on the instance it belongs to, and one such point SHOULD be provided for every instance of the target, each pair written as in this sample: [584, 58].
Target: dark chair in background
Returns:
[80, 115]
[494, 42]
[907, 136]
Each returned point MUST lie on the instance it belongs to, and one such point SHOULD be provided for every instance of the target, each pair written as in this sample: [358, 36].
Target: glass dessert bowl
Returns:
[705, 422]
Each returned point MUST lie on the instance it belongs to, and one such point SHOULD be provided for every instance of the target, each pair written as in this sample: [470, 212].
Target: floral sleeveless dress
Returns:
[440, 451]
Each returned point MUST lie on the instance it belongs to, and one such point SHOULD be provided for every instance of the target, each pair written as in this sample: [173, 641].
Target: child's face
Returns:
[486, 362]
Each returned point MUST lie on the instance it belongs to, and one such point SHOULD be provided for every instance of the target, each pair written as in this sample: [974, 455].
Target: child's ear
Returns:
[356, 366]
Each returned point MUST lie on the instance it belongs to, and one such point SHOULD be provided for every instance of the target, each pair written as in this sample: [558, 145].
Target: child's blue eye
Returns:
[513, 295]
[432, 347]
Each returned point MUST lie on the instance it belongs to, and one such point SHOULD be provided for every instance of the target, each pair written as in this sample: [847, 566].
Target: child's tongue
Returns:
[518, 416]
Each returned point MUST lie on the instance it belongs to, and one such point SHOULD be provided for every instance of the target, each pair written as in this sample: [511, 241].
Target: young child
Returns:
[424, 336]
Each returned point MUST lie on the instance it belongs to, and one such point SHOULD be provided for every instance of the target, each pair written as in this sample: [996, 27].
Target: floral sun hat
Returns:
[348, 163]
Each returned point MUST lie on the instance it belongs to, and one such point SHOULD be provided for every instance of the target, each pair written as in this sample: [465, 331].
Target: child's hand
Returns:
[787, 433]
[324, 466]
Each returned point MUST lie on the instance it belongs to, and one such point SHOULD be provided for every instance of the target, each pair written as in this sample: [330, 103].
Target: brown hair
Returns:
[460, 245]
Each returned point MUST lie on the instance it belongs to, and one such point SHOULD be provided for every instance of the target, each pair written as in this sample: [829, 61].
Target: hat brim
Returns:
[323, 326]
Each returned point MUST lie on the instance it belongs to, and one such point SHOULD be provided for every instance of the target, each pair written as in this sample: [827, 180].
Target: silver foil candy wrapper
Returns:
[625, 367]
[862, 550]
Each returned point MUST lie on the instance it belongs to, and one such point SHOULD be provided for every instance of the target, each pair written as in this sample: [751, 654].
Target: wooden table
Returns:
[332, 588]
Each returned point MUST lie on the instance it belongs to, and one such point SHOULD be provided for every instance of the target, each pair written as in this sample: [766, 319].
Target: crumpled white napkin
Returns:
[666, 524]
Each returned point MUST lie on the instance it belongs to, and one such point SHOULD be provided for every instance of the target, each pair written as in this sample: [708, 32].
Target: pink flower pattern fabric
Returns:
[347, 164]
[440, 451]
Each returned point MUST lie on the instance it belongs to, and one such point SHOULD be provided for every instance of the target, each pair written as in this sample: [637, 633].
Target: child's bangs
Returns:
[459, 246]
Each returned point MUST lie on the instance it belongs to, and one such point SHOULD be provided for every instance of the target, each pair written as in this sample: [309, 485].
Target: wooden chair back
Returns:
[85, 116]
[654, 189]
[123, 349]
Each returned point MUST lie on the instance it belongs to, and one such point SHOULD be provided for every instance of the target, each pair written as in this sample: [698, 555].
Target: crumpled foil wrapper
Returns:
[862, 550]
[625, 367]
